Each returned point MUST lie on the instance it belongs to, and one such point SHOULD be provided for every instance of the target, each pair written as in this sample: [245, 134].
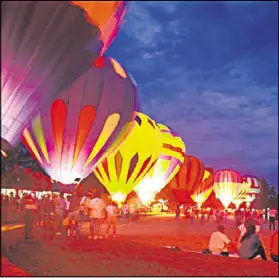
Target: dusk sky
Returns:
[209, 70]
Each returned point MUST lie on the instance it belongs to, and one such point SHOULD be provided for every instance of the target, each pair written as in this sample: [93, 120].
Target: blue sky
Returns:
[209, 70]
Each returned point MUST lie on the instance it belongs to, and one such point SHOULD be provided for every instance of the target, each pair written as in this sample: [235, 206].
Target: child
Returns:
[112, 212]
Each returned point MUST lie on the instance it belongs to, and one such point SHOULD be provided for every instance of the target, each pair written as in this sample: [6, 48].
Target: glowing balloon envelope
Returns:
[254, 188]
[188, 180]
[166, 167]
[242, 195]
[203, 191]
[127, 166]
[45, 46]
[106, 15]
[83, 123]
[227, 186]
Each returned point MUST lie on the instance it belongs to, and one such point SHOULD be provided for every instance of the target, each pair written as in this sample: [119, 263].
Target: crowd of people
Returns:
[221, 216]
[58, 215]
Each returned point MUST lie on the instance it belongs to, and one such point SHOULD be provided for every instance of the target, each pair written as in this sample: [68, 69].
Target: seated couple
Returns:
[250, 244]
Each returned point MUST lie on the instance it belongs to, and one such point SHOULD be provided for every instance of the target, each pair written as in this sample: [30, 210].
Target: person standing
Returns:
[30, 216]
[5, 208]
[74, 215]
[124, 214]
[177, 213]
[112, 212]
[272, 217]
[67, 206]
[84, 206]
[96, 215]
[132, 212]
[47, 213]
[60, 206]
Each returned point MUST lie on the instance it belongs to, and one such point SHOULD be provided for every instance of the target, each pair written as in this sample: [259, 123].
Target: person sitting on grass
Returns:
[251, 245]
[274, 247]
[242, 229]
[219, 242]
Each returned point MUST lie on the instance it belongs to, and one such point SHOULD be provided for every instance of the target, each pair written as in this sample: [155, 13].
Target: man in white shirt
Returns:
[96, 215]
[219, 241]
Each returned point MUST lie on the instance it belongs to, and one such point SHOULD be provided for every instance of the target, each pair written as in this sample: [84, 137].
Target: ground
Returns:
[137, 251]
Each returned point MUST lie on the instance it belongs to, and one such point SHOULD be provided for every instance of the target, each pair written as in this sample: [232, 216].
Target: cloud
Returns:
[209, 71]
[168, 7]
[224, 129]
[140, 25]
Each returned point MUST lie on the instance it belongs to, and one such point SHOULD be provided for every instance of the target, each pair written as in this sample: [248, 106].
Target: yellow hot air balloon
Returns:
[205, 189]
[125, 167]
[171, 157]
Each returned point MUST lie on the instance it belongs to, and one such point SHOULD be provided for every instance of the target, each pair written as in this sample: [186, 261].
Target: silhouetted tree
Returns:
[263, 201]
[272, 192]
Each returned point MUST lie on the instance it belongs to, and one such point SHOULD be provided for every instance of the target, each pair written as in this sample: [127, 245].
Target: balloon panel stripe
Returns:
[133, 164]
[58, 115]
[86, 120]
[28, 138]
[109, 127]
[39, 135]
[143, 167]
[118, 164]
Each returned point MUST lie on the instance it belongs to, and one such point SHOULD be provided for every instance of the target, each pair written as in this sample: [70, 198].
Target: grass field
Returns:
[137, 251]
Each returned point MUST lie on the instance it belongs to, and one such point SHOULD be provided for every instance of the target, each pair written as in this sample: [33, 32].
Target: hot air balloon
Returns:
[206, 187]
[107, 16]
[167, 165]
[227, 186]
[83, 123]
[242, 195]
[45, 46]
[212, 201]
[254, 188]
[123, 169]
[188, 181]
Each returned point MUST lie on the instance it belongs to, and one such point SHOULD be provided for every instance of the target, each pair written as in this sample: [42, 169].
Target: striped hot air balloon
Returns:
[107, 15]
[206, 187]
[83, 123]
[123, 169]
[254, 188]
[188, 180]
[227, 185]
[166, 167]
[45, 46]
[242, 195]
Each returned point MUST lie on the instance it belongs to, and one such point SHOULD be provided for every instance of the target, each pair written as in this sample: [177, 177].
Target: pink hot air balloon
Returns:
[45, 46]
[83, 123]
